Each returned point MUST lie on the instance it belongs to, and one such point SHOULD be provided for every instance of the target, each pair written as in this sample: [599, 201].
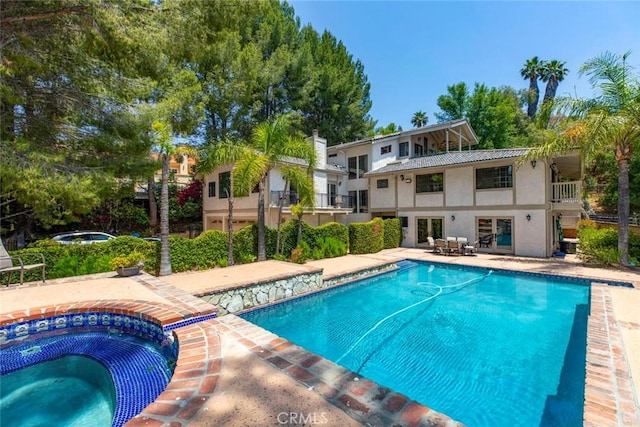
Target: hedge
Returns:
[392, 233]
[600, 245]
[366, 237]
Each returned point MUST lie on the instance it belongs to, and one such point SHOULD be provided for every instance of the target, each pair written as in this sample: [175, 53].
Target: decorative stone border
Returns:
[608, 394]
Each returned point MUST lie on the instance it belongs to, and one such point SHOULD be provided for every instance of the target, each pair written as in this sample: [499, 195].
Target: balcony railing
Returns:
[322, 200]
[566, 192]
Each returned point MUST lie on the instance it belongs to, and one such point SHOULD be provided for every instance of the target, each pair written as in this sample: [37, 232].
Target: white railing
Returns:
[566, 192]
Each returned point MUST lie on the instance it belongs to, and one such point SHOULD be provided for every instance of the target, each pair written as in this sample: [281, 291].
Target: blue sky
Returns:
[412, 50]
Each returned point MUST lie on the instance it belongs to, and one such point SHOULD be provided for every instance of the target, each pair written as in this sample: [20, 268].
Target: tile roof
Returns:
[449, 159]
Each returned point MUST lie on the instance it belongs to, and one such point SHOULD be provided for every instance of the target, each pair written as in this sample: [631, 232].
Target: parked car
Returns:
[82, 237]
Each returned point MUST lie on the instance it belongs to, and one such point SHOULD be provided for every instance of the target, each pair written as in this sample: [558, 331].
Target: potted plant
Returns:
[127, 265]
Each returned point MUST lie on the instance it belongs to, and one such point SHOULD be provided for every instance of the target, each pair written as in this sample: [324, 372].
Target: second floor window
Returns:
[386, 149]
[430, 183]
[498, 177]
[212, 189]
[358, 166]
[224, 179]
[383, 183]
[403, 149]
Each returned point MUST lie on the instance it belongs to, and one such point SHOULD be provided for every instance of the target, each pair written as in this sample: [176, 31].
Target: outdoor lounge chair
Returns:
[432, 243]
[10, 264]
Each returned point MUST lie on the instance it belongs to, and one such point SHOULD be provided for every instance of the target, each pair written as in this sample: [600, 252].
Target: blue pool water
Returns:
[486, 348]
[70, 391]
[42, 373]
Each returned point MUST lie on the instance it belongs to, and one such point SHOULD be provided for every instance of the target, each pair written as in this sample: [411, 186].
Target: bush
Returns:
[599, 246]
[289, 236]
[131, 260]
[586, 223]
[392, 233]
[328, 247]
[334, 230]
[366, 237]
[208, 248]
[300, 254]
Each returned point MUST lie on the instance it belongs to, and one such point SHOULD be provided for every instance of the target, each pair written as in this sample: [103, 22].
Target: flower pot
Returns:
[128, 271]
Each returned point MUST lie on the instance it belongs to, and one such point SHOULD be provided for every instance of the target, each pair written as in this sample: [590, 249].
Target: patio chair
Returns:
[440, 246]
[462, 240]
[453, 247]
[10, 264]
[432, 243]
[485, 241]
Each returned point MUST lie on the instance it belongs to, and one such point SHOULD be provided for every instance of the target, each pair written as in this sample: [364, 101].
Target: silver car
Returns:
[82, 237]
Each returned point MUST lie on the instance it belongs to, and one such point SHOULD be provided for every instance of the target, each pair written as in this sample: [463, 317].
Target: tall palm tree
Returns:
[419, 119]
[532, 70]
[218, 154]
[271, 144]
[553, 72]
[608, 122]
[162, 134]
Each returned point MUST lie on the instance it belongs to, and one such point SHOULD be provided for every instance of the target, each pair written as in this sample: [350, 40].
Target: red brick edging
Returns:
[608, 395]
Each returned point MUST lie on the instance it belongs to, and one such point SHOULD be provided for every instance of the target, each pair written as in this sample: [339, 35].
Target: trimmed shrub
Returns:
[208, 248]
[366, 237]
[392, 233]
[181, 252]
[335, 230]
[289, 236]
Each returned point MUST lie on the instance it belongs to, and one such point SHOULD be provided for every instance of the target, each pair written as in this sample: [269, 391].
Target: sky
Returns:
[413, 50]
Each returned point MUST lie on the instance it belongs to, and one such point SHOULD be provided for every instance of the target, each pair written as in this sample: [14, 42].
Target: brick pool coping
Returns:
[362, 399]
[608, 396]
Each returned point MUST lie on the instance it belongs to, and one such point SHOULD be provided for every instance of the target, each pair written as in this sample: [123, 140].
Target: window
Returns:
[360, 200]
[224, 179]
[358, 166]
[333, 155]
[212, 189]
[499, 177]
[403, 149]
[405, 221]
[386, 149]
[430, 183]
[418, 150]
[383, 183]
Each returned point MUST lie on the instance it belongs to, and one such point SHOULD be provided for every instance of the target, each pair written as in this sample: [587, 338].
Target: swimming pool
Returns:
[484, 347]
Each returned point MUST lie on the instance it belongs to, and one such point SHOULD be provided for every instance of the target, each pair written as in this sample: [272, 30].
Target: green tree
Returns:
[70, 134]
[553, 72]
[226, 152]
[454, 103]
[494, 113]
[272, 144]
[532, 70]
[385, 130]
[419, 119]
[608, 122]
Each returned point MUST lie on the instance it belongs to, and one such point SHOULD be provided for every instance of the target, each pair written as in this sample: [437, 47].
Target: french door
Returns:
[495, 234]
[428, 227]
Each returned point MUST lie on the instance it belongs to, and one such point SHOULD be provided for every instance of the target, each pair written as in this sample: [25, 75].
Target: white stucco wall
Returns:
[494, 197]
[459, 187]
[382, 198]
[530, 183]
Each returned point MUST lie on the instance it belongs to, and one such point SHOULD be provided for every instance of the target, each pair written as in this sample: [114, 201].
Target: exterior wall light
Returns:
[408, 180]
[533, 164]
[453, 217]
[402, 178]
[528, 217]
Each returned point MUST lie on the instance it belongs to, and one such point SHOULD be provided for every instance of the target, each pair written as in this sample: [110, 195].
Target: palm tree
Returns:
[271, 144]
[553, 72]
[608, 122]
[419, 119]
[218, 154]
[162, 135]
[532, 70]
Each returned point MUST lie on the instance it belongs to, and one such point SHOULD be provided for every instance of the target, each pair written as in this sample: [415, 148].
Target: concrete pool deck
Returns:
[271, 385]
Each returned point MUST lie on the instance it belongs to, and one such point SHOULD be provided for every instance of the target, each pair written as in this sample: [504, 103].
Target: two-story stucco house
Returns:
[433, 179]
[331, 195]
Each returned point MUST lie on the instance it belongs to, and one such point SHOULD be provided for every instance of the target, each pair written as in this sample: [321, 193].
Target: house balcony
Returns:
[566, 195]
[322, 200]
